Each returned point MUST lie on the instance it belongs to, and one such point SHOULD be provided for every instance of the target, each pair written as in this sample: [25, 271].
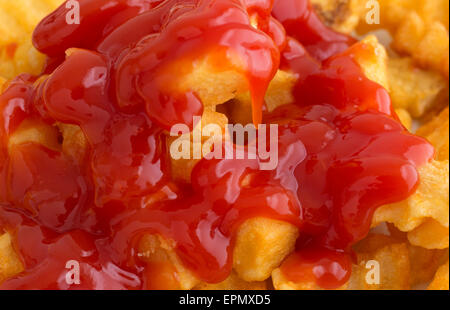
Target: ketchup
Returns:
[342, 150]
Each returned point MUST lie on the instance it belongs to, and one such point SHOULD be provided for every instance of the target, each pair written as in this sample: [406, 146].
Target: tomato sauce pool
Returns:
[342, 150]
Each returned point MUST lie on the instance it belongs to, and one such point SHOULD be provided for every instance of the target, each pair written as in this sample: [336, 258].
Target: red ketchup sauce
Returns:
[342, 151]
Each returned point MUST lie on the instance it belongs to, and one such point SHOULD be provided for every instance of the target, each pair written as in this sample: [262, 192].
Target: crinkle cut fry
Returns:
[261, 246]
[424, 215]
[18, 19]
[416, 25]
[416, 90]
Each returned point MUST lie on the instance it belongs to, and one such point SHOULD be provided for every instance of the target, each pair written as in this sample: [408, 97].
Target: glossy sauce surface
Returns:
[342, 151]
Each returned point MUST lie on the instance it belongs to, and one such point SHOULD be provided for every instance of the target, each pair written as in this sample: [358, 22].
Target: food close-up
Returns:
[224, 144]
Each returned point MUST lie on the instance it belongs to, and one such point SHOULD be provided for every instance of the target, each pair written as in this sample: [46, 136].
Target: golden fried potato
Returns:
[428, 44]
[18, 19]
[182, 168]
[36, 131]
[164, 269]
[414, 89]
[212, 86]
[261, 246]
[391, 13]
[280, 90]
[430, 234]
[2, 83]
[424, 264]
[437, 132]
[436, 10]
[10, 263]
[409, 33]
[280, 282]
[393, 262]
[419, 29]
[440, 281]
[405, 118]
[233, 282]
[433, 49]
[373, 61]
[341, 15]
[425, 214]
[278, 93]
[74, 142]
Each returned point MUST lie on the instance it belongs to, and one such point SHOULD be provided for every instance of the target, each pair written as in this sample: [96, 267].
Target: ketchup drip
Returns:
[342, 152]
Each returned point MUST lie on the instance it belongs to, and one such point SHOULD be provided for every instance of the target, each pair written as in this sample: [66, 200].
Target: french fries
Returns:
[440, 281]
[414, 89]
[10, 263]
[394, 269]
[261, 246]
[341, 15]
[18, 19]
[424, 215]
[436, 131]
[164, 268]
[419, 29]
[416, 76]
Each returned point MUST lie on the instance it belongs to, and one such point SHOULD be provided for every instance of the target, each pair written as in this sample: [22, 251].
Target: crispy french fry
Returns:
[164, 269]
[341, 15]
[261, 246]
[425, 214]
[436, 131]
[10, 263]
[440, 281]
[414, 89]
[19, 17]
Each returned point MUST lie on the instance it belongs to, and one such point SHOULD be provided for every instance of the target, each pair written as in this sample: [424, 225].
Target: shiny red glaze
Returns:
[49, 257]
[342, 151]
[303, 24]
[329, 269]
[53, 36]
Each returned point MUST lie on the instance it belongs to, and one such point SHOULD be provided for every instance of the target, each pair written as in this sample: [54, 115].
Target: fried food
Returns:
[410, 255]
[440, 281]
[280, 282]
[373, 60]
[436, 131]
[341, 15]
[10, 263]
[424, 264]
[182, 168]
[425, 214]
[414, 89]
[392, 263]
[19, 17]
[416, 26]
[415, 38]
[164, 269]
[405, 118]
[261, 246]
